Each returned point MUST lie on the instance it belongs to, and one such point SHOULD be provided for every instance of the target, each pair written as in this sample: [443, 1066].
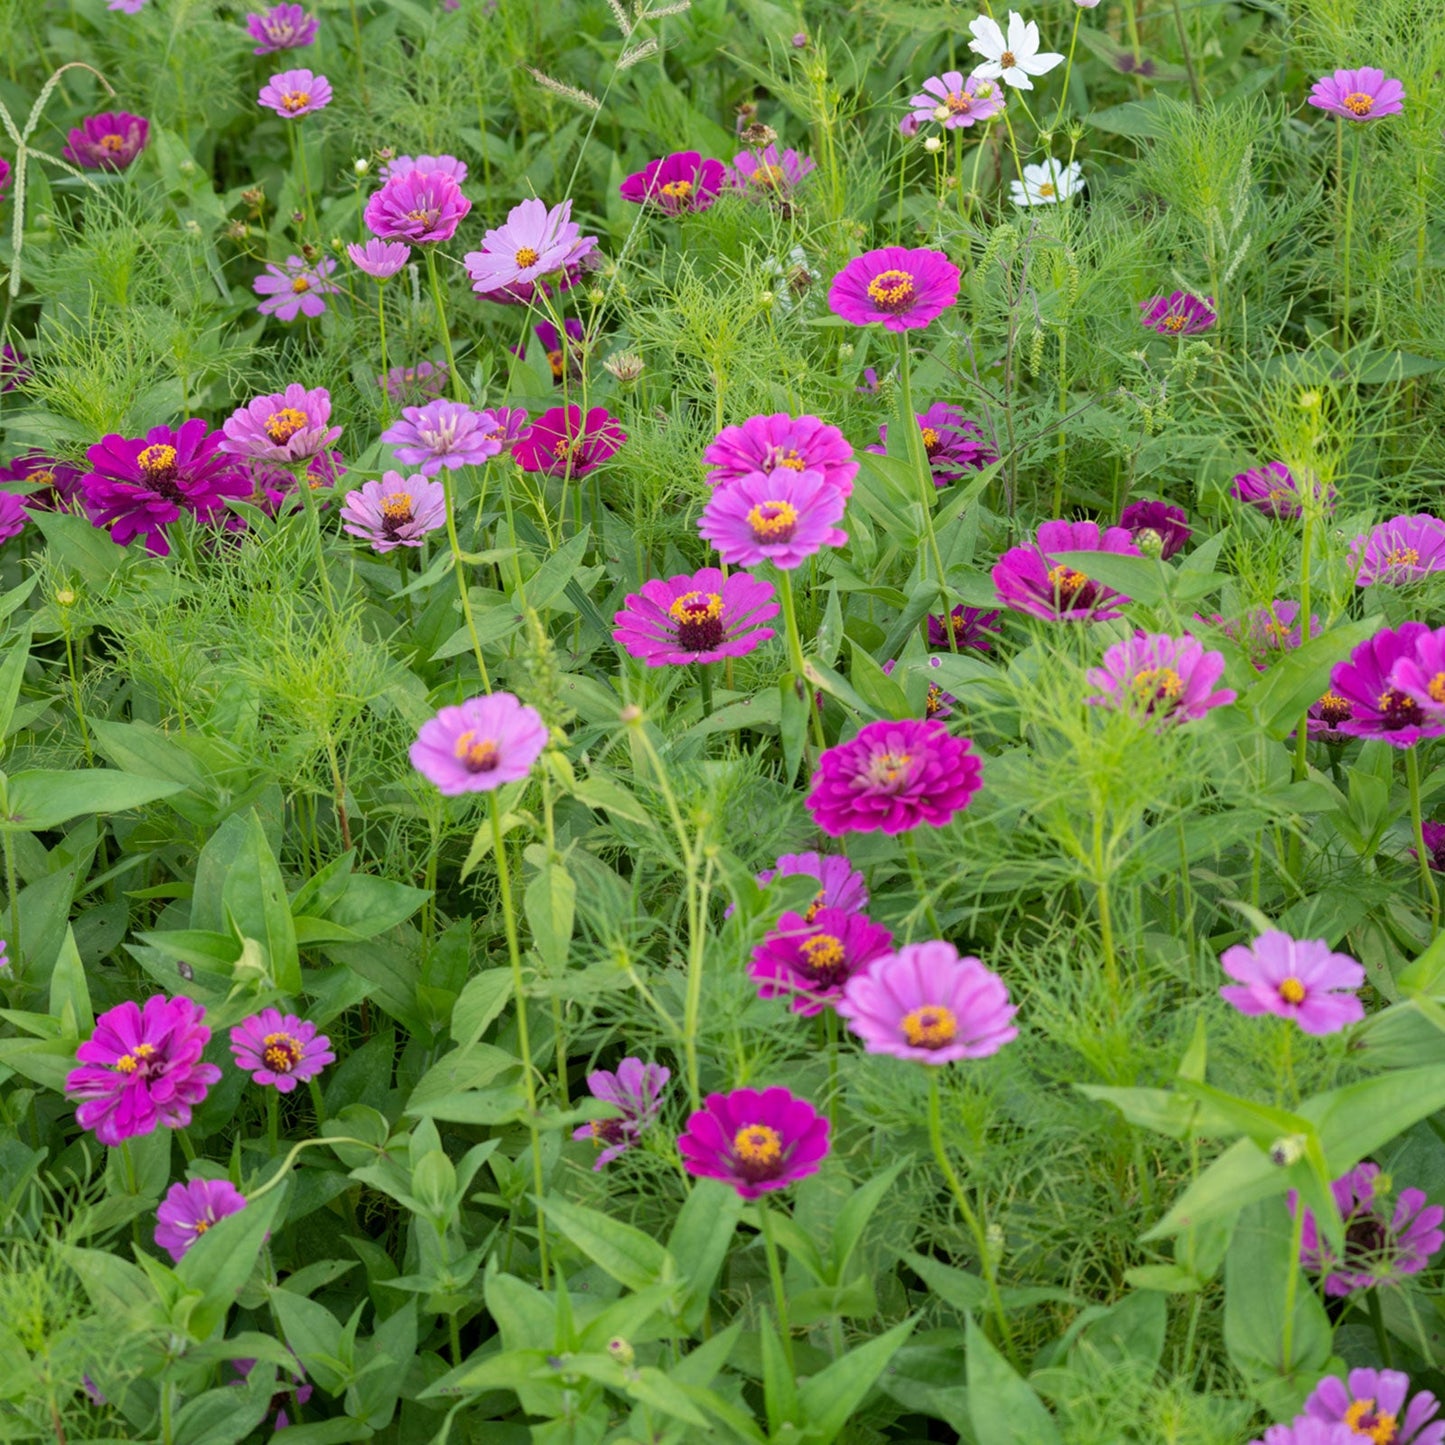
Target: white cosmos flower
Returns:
[1012, 59]
[1048, 184]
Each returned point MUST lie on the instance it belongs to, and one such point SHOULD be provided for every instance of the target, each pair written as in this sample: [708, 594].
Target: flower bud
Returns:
[361, 166]
[1287, 1151]
[65, 597]
[759, 135]
[800, 40]
[626, 366]
[631, 714]
[621, 1351]
[1149, 542]
[933, 145]
[941, 112]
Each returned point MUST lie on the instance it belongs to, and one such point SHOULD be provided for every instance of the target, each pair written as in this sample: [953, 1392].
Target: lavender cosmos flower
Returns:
[699, 617]
[755, 1141]
[970, 628]
[478, 746]
[280, 1049]
[1306, 1430]
[1373, 1403]
[927, 1004]
[1027, 579]
[1165, 679]
[1275, 490]
[283, 27]
[892, 777]
[841, 885]
[296, 288]
[418, 206]
[769, 174]
[107, 142]
[507, 424]
[1378, 709]
[380, 260]
[1156, 524]
[1381, 1246]
[1359, 95]
[954, 445]
[1178, 314]
[1048, 183]
[141, 1069]
[903, 289]
[797, 444]
[936, 702]
[636, 1092]
[782, 518]
[441, 434]
[953, 101]
[423, 382]
[286, 426]
[1299, 979]
[189, 1210]
[1011, 57]
[1400, 551]
[294, 93]
[138, 486]
[564, 443]
[809, 960]
[400, 165]
[532, 243]
[675, 184]
[13, 516]
[395, 512]
[43, 482]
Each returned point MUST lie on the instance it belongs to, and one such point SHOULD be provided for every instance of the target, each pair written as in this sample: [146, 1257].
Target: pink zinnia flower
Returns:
[798, 444]
[755, 1141]
[478, 746]
[280, 1049]
[927, 1004]
[379, 259]
[564, 443]
[1275, 490]
[107, 142]
[189, 1210]
[1420, 674]
[1028, 579]
[395, 512]
[953, 444]
[953, 101]
[1298, 979]
[635, 1090]
[1378, 709]
[782, 518]
[296, 288]
[13, 516]
[127, 7]
[441, 434]
[677, 183]
[1359, 95]
[892, 777]
[1165, 679]
[809, 960]
[769, 174]
[1374, 1405]
[532, 243]
[841, 885]
[901, 288]
[696, 617]
[287, 426]
[1400, 551]
[1153, 524]
[141, 1069]
[283, 27]
[1381, 1246]
[970, 627]
[1178, 314]
[400, 165]
[417, 206]
[294, 93]
[936, 702]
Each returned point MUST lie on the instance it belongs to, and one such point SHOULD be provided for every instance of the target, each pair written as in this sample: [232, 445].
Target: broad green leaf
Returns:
[254, 896]
[699, 1242]
[480, 1004]
[220, 1262]
[632, 1258]
[69, 992]
[1004, 1410]
[550, 904]
[853, 1217]
[780, 1389]
[12, 674]
[1141, 579]
[1279, 699]
[41, 799]
[829, 1398]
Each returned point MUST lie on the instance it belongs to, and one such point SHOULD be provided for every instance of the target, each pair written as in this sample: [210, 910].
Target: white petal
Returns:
[1018, 36]
[988, 37]
[1017, 76]
[989, 70]
[1040, 64]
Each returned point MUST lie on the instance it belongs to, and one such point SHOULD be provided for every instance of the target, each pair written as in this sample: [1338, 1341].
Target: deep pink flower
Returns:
[282, 27]
[953, 101]
[635, 1090]
[379, 259]
[841, 885]
[936, 702]
[809, 960]
[927, 1004]
[1420, 674]
[901, 288]
[954, 445]
[1028, 579]
[755, 1141]
[273, 485]
[1324, 719]
[1400, 551]
[566, 350]
[798, 444]
[395, 512]
[127, 7]
[441, 434]
[892, 777]
[1275, 490]
[532, 243]
[423, 382]
[1178, 314]
[675, 184]
[400, 165]
[478, 746]
[4, 176]
[296, 288]
[287, 426]
[141, 1069]
[768, 175]
[783, 518]
[107, 142]
[1378, 709]
[508, 424]
[189, 1210]
[43, 482]
[1150, 523]
[280, 1049]
[562, 443]
[1373, 1405]
[1164, 679]
[1299, 979]
[13, 516]
[971, 627]
[294, 93]
[417, 206]
[1359, 95]
[696, 617]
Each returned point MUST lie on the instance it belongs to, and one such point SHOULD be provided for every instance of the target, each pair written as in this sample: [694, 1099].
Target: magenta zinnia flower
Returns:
[953, 101]
[1027, 579]
[841, 885]
[1420, 674]
[901, 288]
[141, 1069]
[296, 288]
[189, 1210]
[566, 350]
[677, 183]
[400, 165]
[417, 206]
[954, 445]
[280, 1049]
[970, 627]
[441, 434]
[1381, 1247]
[700, 617]
[782, 518]
[1360, 95]
[1275, 490]
[768, 173]
[1178, 314]
[379, 259]
[809, 960]
[42, 481]
[1149, 521]
[1378, 709]
[562, 443]
[287, 426]
[1324, 719]
[927, 1004]
[755, 1141]
[395, 512]
[798, 444]
[107, 142]
[294, 93]
[478, 746]
[4, 176]
[13, 516]
[1299, 979]
[1373, 1405]
[1166, 679]
[532, 243]
[1400, 551]
[892, 777]
[506, 424]
[635, 1090]
[283, 27]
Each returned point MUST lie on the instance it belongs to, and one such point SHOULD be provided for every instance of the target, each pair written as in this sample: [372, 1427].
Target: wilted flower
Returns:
[294, 93]
[902, 288]
[379, 259]
[1298, 979]
[969, 627]
[1402, 550]
[1373, 1403]
[1028, 579]
[295, 289]
[1048, 184]
[1178, 314]
[561, 442]
[189, 1210]
[796, 444]
[808, 960]
[441, 434]
[782, 517]
[1358, 95]
[701, 617]
[280, 1050]
[417, 206]
[954, 445]
[755, 1141]
[1377, 708]
[532, 243]
[1165, 521]
[1014, 57]
[953, 101]
[107, 142]
[395, 512]
[286, 426]
[677, 183]
[635, 1090]
[1164, 679]
[479, 745]
[283, 27]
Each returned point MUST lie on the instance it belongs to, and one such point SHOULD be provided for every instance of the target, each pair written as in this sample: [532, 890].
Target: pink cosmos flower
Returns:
[675, 184]
[901, 288]
[418, 206]
[532, 243]
[971, 628]
[1358, 95]
[478, 746]
[287, 426]
[798, 444]
[1275, 490]
[953, 444]
[189, 1210]
[294, 93]
[1373, 1405]
[1153, 524]
[441, 434]
[1178, 314]
[563, 443]
[283, 27]
[755, 1141]
[295, 289]
[927, 1004]
[697, 617]
[953, 101]
[1299, 979]
[13, 516]
[1400, 551]
[782, 518]
[635, 1090]
[892, 777]
[1027, 579]
[1165, 679]
[1377, 708]
[379, 259]
[395, 512]
[448, 165]
[107, 142]
[768, 174]
[141, 1069]
[280, 1050]
[809, 960]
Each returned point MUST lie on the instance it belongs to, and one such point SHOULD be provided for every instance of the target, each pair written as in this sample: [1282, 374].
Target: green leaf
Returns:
[12, 674]
[41, 799]
[830, 1397]
[254, 897]
[220, 1262]
[853, 1217]
[632, 1258]
[227, 1415]
[480, 1004]
[1004, 1410]
[69, 992]
[550, 904]
[1141, 579]
[699, 1242]
[780, 1389]
[1279, 699]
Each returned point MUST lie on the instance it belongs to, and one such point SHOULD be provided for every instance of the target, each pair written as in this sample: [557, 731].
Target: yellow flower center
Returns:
[294, 100]
[397, 507]
[1362, 1419]
[300, 284]
[1292, 991]
[822, 951]
[112, 143]
[44, 478]
[930, 440]
[201, 1225]
[930, 1027]
[281, 1052]
[1402, 557]
[958, 102]
[129, 1063]
[1007, 60]
[1048, 189]
[477, 755]
[773, 521]
[557, 360]
[677, 190]
[157, 461]
[765, 175]
[282, 425]
[758, 1145]
[885, 770]
[814, 906]
[1436, 688]
[696, 607]
[892, 290]
[1174, 322]
[1152, 685]
[790, 459]
[1067, 584]
[526, 256]
[1357, 103]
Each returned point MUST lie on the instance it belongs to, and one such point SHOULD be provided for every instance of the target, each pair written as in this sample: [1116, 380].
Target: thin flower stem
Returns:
[273, 1117]
[459, 392]
[830, 1030]
[775, 1273]
[915, 870]
[318, 1103]
[1291, 1287]
[1429, 893]
[1377, 1323]
[13, 891]
[1349, 234]
[1069, 68]
[918, 459]
[795, 652]
[313, 522]
[460, 571]
[1301, 744]
[1184, 46]
[381, 332]
[704, 676]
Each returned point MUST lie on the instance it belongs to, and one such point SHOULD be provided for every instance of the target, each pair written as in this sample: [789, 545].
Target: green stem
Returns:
[795, 653]
[1377, 1323]
[830, 1029]
[775, 1273]
[1349, 234]
[1428, 890]
[273, 1118]
[13, 890]
[918, 460]
[381, 332]
[458, 390]
[704, 676]
[915, 870]
[313, 524]
[459, 569]
[1291, 1287]
[317, 1102]
[1188, 58]
[1069, 68]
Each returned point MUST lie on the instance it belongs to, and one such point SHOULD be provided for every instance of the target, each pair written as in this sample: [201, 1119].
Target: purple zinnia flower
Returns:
[532, 243]
[1027, 579]
[901, 288]
[1159, 521]
[1166, 679]
[4, 176]
[1380, 1247]
[841, 885]
[441, 434]
[970, 627]
[1378, 709]
[12, 368]
[283, 27]
[13, 516]
[636, 1091]
[1306, 1430]
[564, 443]
[700, 617]
[936, 702]
[296, 288]
[1299, 979]
[127, 7]
[43, 481]
[141, 1069]
[1402, 550]
[287, 426]
[379, 259]
[508, 424]
[1363, 94]
[892, 777]
[927, 1004]
[294, 93]
[769, 174]
[423, 382]
[1434, 835]
[954, 445]
[809, 960]
[417, 206]
[798, 444]
[280, 1049]
[755, 1141]
[1266, 630]
[1373, 1404]
[1178, 314]
[189, 1210]
[1420, 675]
[1275, 490]
[680, 182]
[478, 746]
[395, 512]
[448, 165]
[953, 101]
[107, 142]
[782, 518]
[272, 484]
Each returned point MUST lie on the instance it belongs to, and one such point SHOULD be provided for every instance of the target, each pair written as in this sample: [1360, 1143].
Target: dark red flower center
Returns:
[1334, 710]
[892, 291]
[608, 1132]
[396, 512]
[1398, 711]
[159, 470]
[1367, 1242]
[698, 622]
[477, 755]
[280, 1052]
[823, 961]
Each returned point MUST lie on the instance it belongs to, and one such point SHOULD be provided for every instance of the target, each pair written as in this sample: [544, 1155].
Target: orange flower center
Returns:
[300, 284]
[282, 425]
[758, 1145]
[1292, 991]
[930, 440]
[769, 176]
[892, 290]
[294, 100]
[930, 1027]
[1007, 60]
[1402, 557]
[1153, 685]
[677, 190]
[958, 102]
[112, 143]
[157, 461]
[887, 769]
[1048, 189]
[1357, 103]
[526, 256]
[280, 1052]
[477, 755]
[1174, 322]
[773, 521]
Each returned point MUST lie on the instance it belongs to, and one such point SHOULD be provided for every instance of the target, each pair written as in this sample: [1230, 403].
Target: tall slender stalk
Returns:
[795, 654]
[1428, 891]
[459, 392]
[459, 568]
[923, 472]
[775, 1274]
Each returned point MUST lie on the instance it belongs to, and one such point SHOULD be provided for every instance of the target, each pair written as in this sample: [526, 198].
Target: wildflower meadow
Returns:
[722, 721]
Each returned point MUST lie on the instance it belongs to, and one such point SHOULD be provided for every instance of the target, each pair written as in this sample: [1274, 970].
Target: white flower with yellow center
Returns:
[1048, 184]
[1014, 57]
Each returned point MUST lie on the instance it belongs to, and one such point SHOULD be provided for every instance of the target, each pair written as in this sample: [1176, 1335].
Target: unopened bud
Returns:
[933, 145]
[941, 112]
[298, 217]
[621, 1351]
[237, 230]
[766, 298]
[630, 714]
[1149, 542]
[626, 366]
[1287, 1151]
[386, 153]
[800, 40]
[361, 166]
[192, 228]
[759, 135]
[65, 597]
[596, 296]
